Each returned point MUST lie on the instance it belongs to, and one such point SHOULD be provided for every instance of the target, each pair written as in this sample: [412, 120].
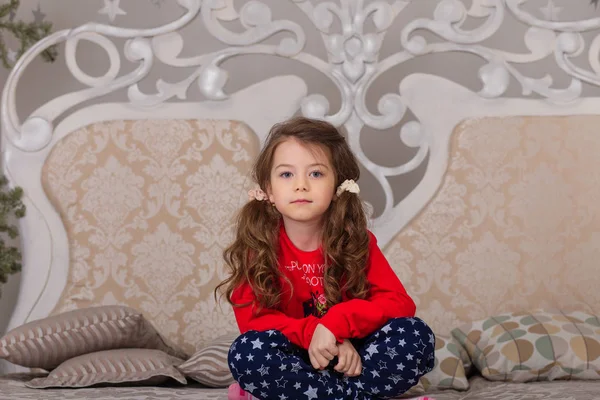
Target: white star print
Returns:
[238, 356]
[387, 339]
[296, 367]
[323, 378]
[311, 393]
[263, 370]
[257, 344]
[297, 386]
[280, 382]
[282, 397]
[263, 395]
[330, 391]
[409, 357]
[250, 387]
[386, 328]
[400, 366]
[281, 355]
[411, 381]
[401, 330]
[367, 357]
[282, 367]
[244, 339]
[396, 378]
[250, 357]
[268, 356]
[412, 320]
[402, 342]
[273, 344]
[372, 349]
[431, 338]
[359, 385]
[382, 365]
[391, 352]
[265, 384]
[415, 370]
[248, 372]
[416, 333]
[374, 390]
[387, 387]
[271, 332]
[375, 373]
[423, 346]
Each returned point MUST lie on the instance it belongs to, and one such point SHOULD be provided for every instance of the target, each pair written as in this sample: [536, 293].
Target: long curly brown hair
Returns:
[253, 256]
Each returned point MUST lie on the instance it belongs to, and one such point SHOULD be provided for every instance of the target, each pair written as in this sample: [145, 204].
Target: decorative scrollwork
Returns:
[352, 62]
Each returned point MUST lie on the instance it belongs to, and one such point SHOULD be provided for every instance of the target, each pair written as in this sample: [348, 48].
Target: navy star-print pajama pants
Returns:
[269, 366]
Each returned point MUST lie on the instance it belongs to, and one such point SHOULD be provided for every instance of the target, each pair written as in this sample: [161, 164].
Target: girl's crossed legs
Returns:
[394, 357]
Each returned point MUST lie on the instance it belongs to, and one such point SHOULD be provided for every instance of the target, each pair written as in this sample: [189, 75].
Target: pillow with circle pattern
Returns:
[541, 345]
[452, 364]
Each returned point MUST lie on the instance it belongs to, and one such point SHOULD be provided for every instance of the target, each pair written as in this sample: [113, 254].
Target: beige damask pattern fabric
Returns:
[148, 209]
[514, 226]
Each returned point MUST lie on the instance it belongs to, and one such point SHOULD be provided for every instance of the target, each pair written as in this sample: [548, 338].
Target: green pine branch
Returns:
[11, 205]
[27, 33]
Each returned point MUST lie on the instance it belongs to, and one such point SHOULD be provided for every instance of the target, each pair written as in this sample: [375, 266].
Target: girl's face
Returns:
[302, 181]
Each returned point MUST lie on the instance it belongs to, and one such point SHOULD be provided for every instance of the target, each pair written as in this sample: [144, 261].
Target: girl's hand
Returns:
[323, 347]
[349, 362]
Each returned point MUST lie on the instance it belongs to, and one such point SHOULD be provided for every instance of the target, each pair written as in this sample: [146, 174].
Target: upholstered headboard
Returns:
[131, 203]
[511, 221]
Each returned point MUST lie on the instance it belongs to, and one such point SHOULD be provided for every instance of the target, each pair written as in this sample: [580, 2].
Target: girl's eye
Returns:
[316, 174]
[285, 174]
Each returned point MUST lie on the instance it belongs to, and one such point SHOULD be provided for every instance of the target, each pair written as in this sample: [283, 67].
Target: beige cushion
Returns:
[534, 346]
[47, 342]
[209, 364]
[123, 366]
[452, 364]
[147, 206]
[449, 372]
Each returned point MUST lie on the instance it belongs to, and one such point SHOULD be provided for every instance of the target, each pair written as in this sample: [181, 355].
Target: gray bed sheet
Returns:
[12, 387]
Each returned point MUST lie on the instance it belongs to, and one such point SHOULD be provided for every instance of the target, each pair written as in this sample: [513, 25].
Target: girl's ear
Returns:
[270, 194]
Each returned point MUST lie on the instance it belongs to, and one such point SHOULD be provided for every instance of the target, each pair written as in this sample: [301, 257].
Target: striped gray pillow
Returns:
[48, 342]
[209, 364]
[122, 366]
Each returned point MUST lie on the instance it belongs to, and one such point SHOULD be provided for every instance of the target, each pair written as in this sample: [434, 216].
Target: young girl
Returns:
[321, 312]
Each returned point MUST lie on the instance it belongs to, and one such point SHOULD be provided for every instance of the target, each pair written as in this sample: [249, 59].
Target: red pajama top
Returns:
[298, 317]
